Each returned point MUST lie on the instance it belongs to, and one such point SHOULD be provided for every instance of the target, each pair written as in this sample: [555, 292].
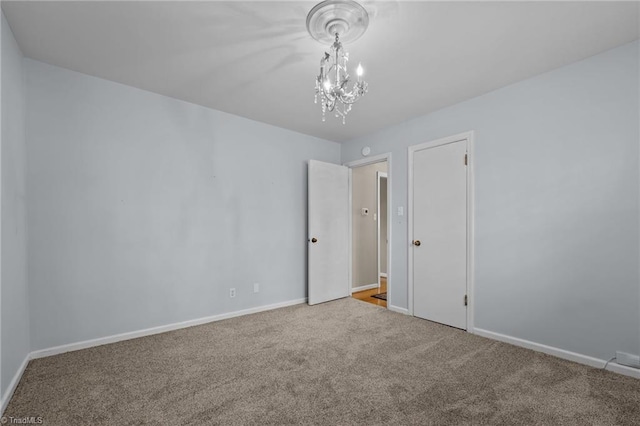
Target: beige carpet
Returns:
[340, 363]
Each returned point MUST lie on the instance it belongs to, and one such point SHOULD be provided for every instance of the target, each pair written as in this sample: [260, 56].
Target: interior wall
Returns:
[382, 213]
[2, 24]
[556, 203]
[13, 270]
[365, 231]
[145, 210]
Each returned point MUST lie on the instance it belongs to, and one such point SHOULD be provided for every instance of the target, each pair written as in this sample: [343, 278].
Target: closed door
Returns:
[328, 232]
[440, 234]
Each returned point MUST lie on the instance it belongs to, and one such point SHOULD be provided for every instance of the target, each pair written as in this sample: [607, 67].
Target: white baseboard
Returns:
[560, 353]
[14, 384]
[364, 287]
[623, 369]
[398, 310]
[383, 274]
[156, 330]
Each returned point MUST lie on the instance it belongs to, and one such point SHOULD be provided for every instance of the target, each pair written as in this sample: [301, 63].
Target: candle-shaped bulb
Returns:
[327, 85]
[359, 71]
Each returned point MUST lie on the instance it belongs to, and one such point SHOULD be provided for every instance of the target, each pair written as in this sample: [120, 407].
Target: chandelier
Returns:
[329, 22]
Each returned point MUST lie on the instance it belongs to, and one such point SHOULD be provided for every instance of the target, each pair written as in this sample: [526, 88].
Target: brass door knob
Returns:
[417, 243]
[314, 240]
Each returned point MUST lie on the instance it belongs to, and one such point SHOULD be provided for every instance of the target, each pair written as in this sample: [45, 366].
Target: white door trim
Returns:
[365, 162]
[469, 137]
[379, 176]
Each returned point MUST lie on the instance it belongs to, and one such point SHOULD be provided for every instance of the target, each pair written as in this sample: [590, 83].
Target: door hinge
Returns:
[465, 159]
[466, 299]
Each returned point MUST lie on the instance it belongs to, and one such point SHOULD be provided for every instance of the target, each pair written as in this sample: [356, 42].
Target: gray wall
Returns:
[14, 308]
[144, 210]
[365, 231]
[383, 225]
[556, 203]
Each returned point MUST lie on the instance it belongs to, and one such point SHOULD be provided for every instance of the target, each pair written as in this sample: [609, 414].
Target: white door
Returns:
[440, 234]
[328, 232]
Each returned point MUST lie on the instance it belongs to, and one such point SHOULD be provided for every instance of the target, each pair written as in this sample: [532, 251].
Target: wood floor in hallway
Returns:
[367, 295]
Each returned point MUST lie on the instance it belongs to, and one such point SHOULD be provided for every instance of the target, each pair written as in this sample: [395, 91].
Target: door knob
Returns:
[314, 240]
[416, 243]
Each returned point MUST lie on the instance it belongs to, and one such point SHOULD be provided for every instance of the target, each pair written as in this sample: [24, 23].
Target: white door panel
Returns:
[440, 224]
[329, 226]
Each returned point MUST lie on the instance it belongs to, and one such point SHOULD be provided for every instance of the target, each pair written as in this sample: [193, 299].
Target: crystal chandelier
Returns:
[344, 19]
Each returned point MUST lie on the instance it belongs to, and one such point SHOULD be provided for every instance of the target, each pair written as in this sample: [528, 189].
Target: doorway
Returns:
[441, 231]
[330, 265]
[369, 232]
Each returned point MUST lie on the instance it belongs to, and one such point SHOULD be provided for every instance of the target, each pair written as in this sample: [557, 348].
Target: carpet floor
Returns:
[340, 363]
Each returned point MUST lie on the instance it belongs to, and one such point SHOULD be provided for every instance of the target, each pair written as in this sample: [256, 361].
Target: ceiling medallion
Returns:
[337, 21]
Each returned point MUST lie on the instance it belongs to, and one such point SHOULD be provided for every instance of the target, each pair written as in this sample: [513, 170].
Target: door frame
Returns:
[379, 176]
[469, 137]
[365, 162]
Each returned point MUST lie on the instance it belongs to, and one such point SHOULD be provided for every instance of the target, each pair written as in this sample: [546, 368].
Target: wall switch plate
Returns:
[256, 287]
[629, 360]
[232, 292]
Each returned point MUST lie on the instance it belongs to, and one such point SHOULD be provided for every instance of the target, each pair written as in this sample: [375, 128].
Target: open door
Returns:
[328, 232]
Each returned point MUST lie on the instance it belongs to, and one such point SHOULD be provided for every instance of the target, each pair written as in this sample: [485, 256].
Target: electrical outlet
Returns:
[256, 287]
[629, 360]
[232, 292]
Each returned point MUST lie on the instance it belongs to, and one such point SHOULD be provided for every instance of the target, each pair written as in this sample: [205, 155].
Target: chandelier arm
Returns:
[329, 95]
[350, 101]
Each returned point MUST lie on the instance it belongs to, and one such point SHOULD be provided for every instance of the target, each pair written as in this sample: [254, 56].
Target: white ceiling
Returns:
[255, 59]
